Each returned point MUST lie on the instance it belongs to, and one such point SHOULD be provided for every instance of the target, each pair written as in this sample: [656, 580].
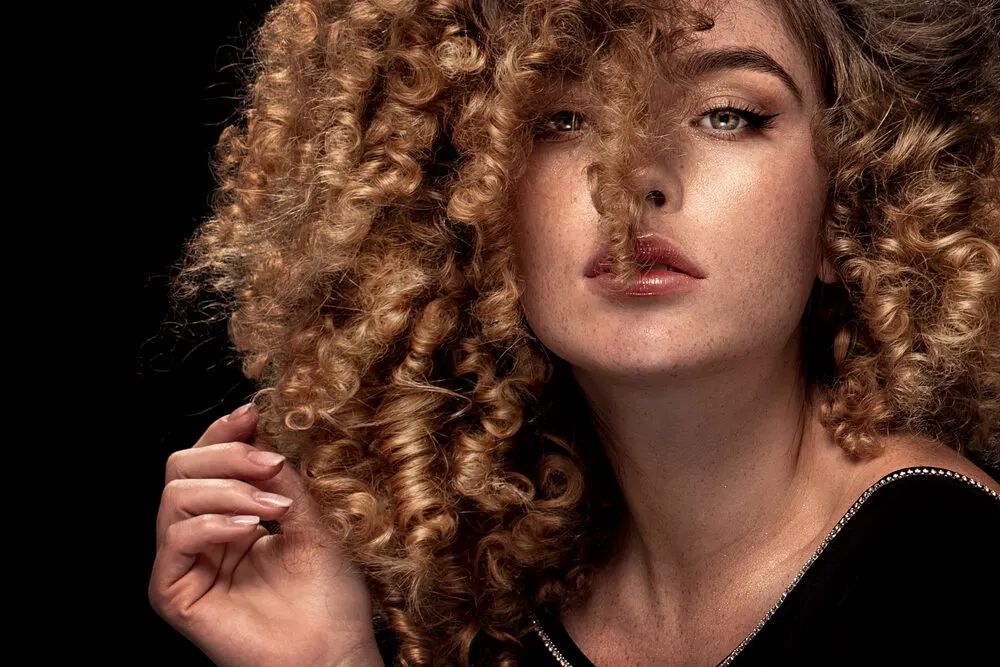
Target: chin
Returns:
[653, 367]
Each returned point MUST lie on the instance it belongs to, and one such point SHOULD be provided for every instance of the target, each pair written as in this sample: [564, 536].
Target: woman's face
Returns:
[744, 204]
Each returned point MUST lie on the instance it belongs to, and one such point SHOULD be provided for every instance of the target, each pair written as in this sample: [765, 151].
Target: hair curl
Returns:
[361, 247]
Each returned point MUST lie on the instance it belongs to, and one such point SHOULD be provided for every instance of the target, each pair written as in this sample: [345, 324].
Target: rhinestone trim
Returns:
[549, 644]
[890, 477]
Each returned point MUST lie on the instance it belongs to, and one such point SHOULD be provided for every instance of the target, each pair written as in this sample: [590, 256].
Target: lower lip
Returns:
[651, 282]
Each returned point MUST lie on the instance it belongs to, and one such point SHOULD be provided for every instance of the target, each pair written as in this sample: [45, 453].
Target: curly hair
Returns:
[361, 248]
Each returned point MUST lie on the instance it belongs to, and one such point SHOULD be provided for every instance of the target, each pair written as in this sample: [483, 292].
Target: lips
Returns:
[649, 249]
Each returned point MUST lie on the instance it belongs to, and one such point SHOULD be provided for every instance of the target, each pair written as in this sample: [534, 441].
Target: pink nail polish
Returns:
[272, 499]
[244, 520]
[265, 458]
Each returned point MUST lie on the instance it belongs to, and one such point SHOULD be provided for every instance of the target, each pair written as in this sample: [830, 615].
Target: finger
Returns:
[186, 498]
[226, 460]
[237, 550]
[303, 515]
[175, 581]
[234, 426]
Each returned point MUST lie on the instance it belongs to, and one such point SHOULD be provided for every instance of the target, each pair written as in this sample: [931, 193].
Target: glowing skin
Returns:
[746, 205]
[727, 492]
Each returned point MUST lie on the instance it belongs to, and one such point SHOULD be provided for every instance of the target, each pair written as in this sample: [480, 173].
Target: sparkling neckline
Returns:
[888, 478]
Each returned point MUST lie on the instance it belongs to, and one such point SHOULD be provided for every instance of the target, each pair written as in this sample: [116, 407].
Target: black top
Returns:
[908, 576]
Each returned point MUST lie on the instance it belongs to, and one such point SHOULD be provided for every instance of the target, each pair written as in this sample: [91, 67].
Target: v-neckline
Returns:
[545, 631]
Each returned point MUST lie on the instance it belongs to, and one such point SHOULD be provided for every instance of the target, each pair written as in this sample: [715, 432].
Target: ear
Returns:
[826, 271]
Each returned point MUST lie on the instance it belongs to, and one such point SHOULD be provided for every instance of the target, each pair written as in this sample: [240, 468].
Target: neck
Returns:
[712, 469]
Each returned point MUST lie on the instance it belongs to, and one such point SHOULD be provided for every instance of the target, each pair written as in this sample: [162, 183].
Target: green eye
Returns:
[734, 119]
[728, 120]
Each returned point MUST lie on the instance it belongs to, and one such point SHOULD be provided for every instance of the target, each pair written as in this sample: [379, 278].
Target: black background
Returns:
[162, 82]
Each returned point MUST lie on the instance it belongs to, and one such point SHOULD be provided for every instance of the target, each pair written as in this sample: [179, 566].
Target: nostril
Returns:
[657, 197]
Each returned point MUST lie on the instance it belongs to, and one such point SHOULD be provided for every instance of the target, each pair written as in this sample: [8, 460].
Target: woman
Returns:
[593, 332]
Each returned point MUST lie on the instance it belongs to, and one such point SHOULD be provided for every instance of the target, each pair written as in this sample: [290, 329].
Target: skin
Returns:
[243, 596]
[727, 492]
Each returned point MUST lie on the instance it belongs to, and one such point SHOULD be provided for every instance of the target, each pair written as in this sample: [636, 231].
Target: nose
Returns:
[658, 179]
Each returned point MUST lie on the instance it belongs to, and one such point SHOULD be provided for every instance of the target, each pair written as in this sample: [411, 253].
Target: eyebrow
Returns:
[704, 62]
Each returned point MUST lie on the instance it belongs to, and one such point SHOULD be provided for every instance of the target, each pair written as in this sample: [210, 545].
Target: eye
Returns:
[733, 119]
[559, 125]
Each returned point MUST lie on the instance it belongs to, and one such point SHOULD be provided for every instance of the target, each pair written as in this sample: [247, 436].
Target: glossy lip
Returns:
[651, 282]
[649, 249]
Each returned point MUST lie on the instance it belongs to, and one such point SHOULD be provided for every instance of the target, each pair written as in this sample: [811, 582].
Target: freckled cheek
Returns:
[765, 225]
[551, 234]
[536, 254]
[541, 299]
[546, 277]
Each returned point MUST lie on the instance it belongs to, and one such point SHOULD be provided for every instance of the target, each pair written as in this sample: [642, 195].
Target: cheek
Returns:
[765, 218]
[554, 227]
[534, 241]
[768, 211]
[557, 311]
[538, 273]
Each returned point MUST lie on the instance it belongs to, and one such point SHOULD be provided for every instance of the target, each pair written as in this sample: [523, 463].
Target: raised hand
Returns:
[243, 596]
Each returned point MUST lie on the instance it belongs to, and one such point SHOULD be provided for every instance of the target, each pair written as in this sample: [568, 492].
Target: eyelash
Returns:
[755, 121]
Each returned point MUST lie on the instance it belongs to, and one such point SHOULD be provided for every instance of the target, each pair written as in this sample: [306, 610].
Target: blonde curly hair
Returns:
[361, 248]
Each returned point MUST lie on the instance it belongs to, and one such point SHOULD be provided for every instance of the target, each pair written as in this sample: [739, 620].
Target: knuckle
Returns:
[157, 599]
[167, 609]
[181, 614]
[167, 495]
[218, 423]
[171, 490]
[170, 537]
[174, 462]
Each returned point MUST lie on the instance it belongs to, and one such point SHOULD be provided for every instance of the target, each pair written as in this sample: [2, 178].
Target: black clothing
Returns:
[909, 577]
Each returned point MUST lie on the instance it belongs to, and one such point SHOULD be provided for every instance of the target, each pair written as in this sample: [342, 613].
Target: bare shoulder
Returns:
[916, 451]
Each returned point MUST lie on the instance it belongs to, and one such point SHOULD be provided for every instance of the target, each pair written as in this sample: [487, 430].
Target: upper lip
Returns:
[649, 249]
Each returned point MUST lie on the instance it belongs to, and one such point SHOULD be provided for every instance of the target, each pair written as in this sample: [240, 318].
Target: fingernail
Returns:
[241, 411]
[272, 499]
[244, 520]
[263, 458]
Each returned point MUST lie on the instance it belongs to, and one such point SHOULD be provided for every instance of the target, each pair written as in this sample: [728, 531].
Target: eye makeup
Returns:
[756, 121]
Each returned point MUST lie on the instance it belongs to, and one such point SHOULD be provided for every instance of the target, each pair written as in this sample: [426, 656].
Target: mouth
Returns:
[605, 267]
[653, 252]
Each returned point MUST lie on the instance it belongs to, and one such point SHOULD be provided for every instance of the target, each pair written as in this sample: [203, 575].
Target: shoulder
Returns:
[920, 512]
[919, 489]
[913, 561]
[913, 451]
[926, 515]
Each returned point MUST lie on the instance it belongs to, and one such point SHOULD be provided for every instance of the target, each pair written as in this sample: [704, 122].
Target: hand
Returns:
[243, 596]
